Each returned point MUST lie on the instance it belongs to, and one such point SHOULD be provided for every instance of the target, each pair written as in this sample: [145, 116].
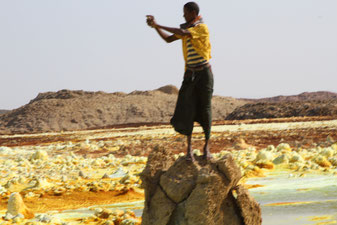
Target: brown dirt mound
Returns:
[169, 89]
[285, 109]
[78, 110]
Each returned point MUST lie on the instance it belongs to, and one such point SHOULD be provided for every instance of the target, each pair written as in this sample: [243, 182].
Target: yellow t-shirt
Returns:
[199, 40]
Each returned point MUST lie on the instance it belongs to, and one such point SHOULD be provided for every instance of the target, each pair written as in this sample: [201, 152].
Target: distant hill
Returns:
[3, 111]
[283, 109]
[76, 110]
[320, 103]
[305, 96]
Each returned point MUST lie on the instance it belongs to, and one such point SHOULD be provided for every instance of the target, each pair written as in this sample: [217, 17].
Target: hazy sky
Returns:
[260, 48]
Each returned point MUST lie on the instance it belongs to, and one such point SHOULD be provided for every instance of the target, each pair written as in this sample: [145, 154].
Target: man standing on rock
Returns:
[195, 94]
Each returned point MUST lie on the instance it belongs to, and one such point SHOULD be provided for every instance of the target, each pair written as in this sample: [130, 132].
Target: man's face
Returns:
[189, 15]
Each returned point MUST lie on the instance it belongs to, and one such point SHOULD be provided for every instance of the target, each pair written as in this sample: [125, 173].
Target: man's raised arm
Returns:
[168, 38]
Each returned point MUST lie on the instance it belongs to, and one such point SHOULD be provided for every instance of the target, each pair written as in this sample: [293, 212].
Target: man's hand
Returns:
[150, 21]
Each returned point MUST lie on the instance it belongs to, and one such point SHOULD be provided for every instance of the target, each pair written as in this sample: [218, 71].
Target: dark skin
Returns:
[190, 17]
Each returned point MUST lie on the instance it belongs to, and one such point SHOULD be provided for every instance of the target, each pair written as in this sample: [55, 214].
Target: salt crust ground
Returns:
[102, 166]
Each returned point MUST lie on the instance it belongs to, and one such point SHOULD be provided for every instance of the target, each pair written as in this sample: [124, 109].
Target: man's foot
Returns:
[189, 154]
[207, 154]
[190, 157]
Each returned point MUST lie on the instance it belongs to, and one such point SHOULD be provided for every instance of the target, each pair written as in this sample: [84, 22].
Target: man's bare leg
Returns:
[207, 154]
[189, 154]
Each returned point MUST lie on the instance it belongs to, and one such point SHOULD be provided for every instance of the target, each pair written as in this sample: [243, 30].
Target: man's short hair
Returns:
[192, 6]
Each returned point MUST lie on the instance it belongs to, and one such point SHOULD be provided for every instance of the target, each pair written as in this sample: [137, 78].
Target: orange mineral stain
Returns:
[315, 218]
[287, 203]
[76, 200]
[251, 186]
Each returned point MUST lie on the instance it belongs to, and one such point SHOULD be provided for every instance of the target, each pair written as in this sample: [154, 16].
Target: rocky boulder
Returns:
[203, 192]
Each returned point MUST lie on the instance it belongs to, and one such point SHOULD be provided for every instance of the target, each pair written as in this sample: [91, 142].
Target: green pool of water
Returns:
[287, 199]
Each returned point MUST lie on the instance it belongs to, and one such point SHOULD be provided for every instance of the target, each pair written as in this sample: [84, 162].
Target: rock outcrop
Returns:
[203, 192]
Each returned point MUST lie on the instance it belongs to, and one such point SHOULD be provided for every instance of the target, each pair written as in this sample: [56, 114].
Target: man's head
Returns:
[191, 11]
